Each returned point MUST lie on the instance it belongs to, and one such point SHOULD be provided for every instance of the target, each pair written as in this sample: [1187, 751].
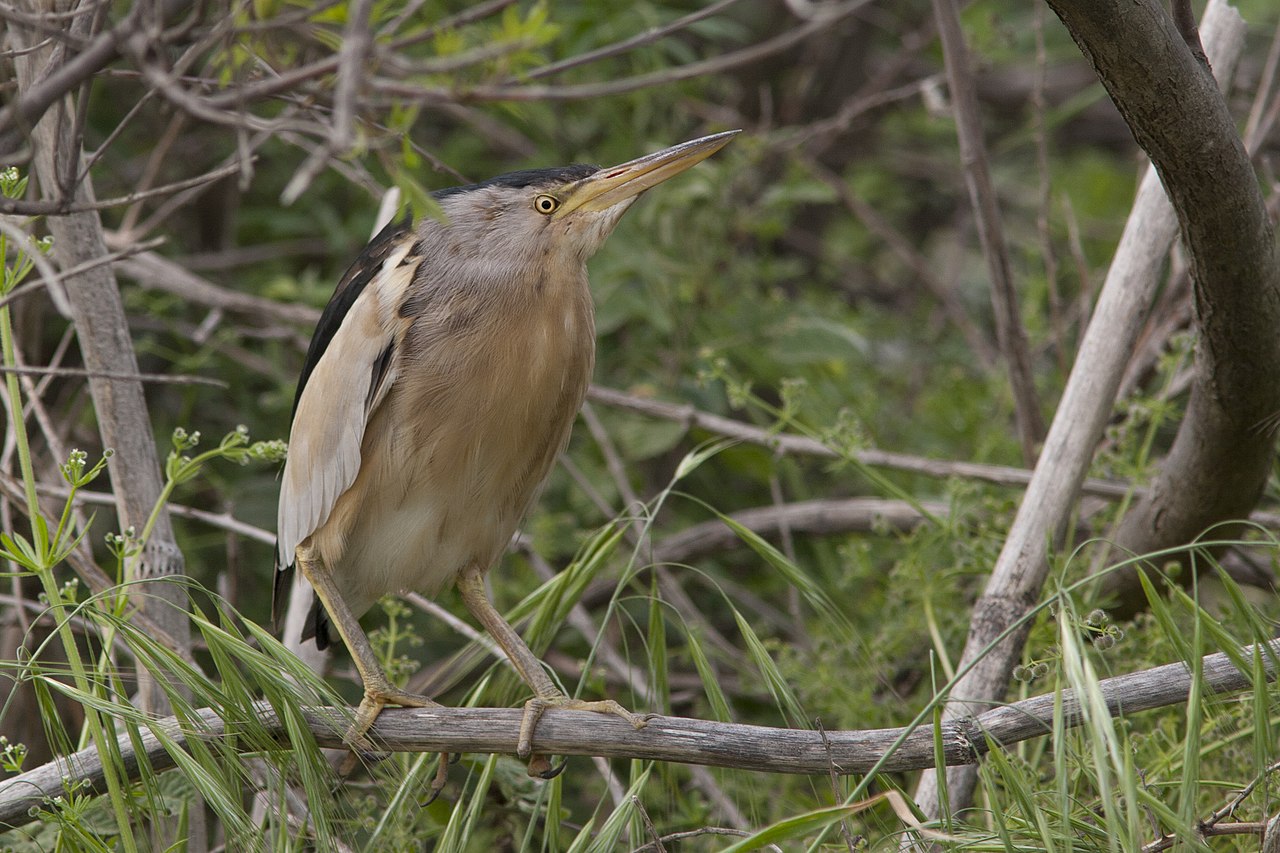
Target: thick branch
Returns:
[1087, 401]
[690, 741]
[1222, 455]
[103, 334]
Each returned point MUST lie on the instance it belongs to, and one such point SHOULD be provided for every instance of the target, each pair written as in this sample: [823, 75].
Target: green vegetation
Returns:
[820, 277]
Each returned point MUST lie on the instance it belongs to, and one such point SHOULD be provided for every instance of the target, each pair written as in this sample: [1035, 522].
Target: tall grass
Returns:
[1166, 779]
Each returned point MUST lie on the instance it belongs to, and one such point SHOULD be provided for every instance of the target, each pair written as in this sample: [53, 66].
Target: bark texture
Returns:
[1222, 454]
[103, 334]
[1179, 115]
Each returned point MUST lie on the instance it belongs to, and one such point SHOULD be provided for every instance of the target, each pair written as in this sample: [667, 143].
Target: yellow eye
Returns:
[546, 204]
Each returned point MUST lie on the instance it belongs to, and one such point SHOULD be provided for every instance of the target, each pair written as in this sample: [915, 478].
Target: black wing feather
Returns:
[353, 283]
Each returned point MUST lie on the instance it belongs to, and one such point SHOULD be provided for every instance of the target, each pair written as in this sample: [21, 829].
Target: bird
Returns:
[441, 383]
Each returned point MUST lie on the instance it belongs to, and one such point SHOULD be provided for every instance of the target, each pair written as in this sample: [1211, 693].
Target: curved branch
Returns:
[1138, 40]
[680, 739]
[1221, 457]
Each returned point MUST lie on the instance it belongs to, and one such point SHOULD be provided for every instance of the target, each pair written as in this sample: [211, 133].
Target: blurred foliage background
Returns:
[821, 276]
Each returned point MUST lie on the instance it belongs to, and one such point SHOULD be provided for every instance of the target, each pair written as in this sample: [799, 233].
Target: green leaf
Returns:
[774, 680]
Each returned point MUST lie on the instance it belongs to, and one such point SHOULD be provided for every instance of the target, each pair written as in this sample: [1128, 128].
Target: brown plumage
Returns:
[442, 381]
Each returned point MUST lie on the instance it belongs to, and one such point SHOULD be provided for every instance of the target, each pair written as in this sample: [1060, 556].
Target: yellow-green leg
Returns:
[546, 694]
[379, 692]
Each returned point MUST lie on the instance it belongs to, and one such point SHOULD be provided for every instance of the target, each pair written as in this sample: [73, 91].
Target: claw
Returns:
[442, 776]
[375, 699]
[540, 767]
[552, 771]
[535, 707]
[357, 756]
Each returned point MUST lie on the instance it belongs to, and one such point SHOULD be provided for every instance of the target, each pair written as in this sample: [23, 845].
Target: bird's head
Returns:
[565, 213]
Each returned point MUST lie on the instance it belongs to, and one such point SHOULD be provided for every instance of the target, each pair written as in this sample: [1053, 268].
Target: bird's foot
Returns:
[442, 776]
[375, 699]
[534, 709]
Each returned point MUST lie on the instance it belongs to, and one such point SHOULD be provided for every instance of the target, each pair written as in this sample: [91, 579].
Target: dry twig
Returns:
[982, 194]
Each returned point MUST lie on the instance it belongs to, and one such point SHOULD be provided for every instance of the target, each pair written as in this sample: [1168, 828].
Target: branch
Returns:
[102, 332]
[982, 195]
[580, 91]
[1185, 20]
[357, 44]
[920, 266]
[1082, 414]
[1222, 455]
[49, 278]
[66, 205]
[677, 739]
[158, 378]
[1003, 475]
[156, 272]
[1138, 259]
[26, 110]
[818, 517]
[638, 40]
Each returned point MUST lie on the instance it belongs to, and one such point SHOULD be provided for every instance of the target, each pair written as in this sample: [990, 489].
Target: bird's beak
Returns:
[608, 187]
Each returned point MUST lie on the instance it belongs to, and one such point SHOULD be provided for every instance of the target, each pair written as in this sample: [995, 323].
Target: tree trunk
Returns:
[1220, 458]
[103, 334]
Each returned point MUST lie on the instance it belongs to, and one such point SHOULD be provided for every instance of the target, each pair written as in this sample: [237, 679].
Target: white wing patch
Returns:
[336, 404]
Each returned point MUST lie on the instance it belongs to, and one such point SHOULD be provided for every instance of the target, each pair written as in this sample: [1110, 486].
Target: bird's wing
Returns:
[348, 370]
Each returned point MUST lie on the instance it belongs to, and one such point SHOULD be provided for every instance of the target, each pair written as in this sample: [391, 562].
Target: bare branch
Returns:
[20, 116]
[982, 195]
[66, 205]
[1262, 114]
[357, 43]
[678, 739]
[156, 272]
[1184, 17]
[1002, 475]
[102, 331]
[1087, 401]
[901, 246]
[46, 279]
[220, 520]
[638, 40]
[724, 62]
[159, 378]
[819, 517]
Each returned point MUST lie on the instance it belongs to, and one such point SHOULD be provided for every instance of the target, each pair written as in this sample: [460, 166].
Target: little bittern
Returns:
[442, 380]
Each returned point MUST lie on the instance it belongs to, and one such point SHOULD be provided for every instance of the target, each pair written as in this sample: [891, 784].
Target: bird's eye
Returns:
[546, 204]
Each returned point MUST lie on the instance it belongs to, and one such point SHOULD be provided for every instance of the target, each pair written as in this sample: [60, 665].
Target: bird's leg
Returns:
[546, 694]
[378, 689]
